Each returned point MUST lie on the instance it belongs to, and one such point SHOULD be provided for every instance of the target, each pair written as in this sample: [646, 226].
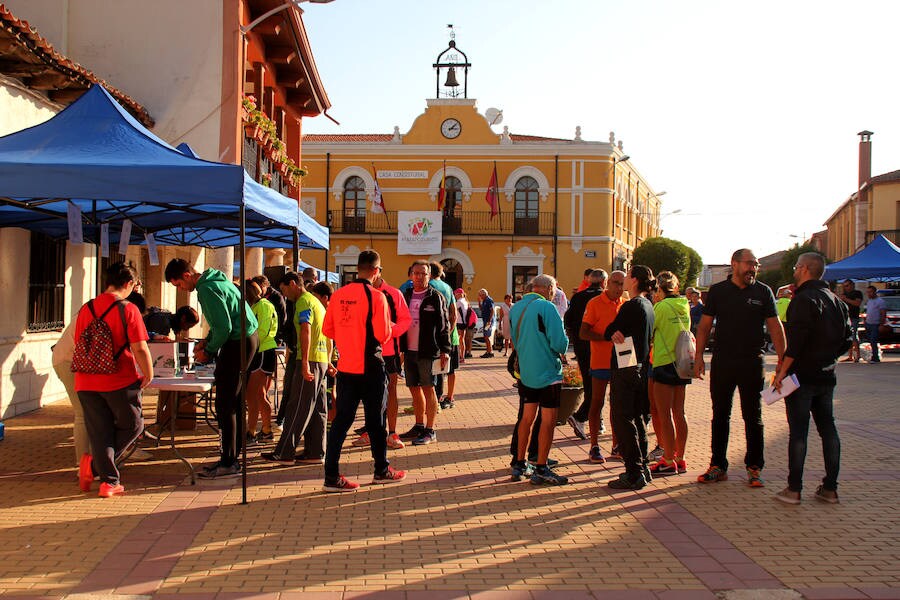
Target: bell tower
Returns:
[449, 64]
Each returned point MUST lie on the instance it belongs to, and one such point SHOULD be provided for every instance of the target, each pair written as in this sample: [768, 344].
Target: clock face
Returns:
[451, 129]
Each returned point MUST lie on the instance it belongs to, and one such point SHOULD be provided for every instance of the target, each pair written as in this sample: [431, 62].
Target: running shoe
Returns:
[429, 436]
[394, 442]
[788, 496]
[655, 454]
[595, 456]
[391, 475]
[713, 474]
[447, 402]
[753, 477]
[615, 453]
[628, 482]
[681, 464]
[251, 440]
[310, 460]
[108, 490]
[487, 355]
[265, 437]
[362, 440]
[551, 462]
[829, 496]
[272, 457]
[341, 484]
[577, 427]
[664, 467]
[522, 471]
[546, 476]
[415, 432]
[218, 471]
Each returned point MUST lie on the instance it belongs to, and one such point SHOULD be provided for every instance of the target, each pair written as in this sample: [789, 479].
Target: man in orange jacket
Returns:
[358, 321]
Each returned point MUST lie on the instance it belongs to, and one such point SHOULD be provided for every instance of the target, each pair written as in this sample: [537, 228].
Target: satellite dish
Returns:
[494, 116]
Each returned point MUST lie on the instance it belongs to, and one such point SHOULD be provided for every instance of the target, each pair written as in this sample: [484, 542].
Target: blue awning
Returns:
[879, 261]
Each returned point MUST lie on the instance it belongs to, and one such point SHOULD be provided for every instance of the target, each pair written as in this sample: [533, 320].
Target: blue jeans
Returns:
[815, 399]
[872, 334]
[371, 388]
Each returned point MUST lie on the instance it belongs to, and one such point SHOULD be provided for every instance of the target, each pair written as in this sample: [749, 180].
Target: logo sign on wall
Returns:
[419, 232]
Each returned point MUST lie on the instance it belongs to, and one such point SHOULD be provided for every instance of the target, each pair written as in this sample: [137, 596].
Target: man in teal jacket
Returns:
[221, 302]
[539, 338]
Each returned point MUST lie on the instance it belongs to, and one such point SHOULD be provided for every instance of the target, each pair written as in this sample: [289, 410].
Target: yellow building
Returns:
[874, 209]
[564, 204]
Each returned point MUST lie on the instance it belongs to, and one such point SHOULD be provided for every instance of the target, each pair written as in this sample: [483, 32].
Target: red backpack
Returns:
[95, 349]
[471, 318]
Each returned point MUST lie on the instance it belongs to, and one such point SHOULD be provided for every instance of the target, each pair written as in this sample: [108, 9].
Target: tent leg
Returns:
[243, 409]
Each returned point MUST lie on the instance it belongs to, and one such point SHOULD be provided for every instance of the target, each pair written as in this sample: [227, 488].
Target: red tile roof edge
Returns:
[40, 47]
[886, 177]
[386, 137]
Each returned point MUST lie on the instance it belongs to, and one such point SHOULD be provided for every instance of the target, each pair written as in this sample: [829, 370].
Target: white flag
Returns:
[377, 201]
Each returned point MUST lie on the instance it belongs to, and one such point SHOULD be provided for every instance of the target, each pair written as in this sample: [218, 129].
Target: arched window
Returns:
[527, 201]
[354, 205]
[453, 198]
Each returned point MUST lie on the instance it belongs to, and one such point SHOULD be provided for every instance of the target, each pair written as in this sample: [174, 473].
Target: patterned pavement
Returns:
[458, 527]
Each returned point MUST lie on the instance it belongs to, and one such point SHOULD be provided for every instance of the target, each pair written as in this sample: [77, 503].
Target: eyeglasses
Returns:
[752, 263]
[798, 265]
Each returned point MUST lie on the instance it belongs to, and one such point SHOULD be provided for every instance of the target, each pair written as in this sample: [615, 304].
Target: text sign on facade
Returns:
[419, 232]
[590, 254]
[402, 174]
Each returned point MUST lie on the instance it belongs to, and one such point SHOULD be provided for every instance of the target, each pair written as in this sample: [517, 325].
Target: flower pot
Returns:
[252, 131]
[570, 399]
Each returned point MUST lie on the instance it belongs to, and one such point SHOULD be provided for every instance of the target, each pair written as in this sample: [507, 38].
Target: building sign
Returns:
[590, 254]
[419, 232]
[402, 174]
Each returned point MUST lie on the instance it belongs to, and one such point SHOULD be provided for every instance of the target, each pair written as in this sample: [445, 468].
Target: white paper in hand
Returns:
[770, 395]
[436, 367]
[625, 356]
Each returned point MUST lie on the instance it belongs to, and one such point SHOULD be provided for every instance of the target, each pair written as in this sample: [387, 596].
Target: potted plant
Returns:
[266, 179]
[572, 393]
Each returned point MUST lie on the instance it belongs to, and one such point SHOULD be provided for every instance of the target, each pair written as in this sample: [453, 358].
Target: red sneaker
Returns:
[85, 474]
[392, 475]
[108, 490]
[713, 474]
[682, 466]
[342, 484]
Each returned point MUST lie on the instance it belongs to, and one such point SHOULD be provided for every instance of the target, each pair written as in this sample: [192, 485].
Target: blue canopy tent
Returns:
[332, 277]
[879, 261]
[96, 156]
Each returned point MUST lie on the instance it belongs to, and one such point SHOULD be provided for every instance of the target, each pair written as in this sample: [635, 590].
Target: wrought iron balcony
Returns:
[465, 223]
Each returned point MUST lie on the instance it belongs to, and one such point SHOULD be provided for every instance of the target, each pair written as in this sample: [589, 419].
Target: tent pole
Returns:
[296, 266]
[327, 207]
[97, 274]
[242, 413]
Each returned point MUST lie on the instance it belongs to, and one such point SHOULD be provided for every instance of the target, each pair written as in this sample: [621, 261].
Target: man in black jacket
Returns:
[818, 333]
[596, 284]
[427, 339]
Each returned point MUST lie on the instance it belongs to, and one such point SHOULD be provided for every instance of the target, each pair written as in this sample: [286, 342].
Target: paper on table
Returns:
[770, 395]
[625, 356]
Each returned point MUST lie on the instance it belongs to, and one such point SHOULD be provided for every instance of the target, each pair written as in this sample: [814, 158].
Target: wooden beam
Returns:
[48, 81]
[8, 44]
[17, 68]
[66, 96]
[282, 55]
[291, 82]
[268, 27]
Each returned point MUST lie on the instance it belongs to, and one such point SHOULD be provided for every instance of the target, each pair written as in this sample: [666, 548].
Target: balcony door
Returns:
[527, 201]
[453, 206]
[354, 205]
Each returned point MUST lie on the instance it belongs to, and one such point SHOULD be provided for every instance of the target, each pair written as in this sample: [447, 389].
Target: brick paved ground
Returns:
[457, 527]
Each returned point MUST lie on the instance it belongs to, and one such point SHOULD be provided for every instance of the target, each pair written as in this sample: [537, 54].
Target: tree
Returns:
[790, 259]
[664, 254]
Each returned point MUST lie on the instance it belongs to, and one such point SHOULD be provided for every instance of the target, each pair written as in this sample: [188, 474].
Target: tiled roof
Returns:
[346, 138]
[349, 138]
[886, 177]
[27, 56]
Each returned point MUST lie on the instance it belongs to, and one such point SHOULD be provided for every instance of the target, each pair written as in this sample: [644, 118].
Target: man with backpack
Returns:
[224, 311]
[110, 338]
[818, 334]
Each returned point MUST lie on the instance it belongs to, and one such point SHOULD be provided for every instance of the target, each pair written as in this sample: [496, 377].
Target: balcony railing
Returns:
[466, 223]
[891, 234]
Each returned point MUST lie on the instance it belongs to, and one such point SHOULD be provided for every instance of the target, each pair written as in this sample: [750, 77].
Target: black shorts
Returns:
[392, 364]
[418, 370]
[547, 397]
[454, 360]
[667, 375]
[263, 361]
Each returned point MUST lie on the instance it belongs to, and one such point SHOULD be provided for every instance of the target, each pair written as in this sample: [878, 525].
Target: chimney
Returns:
[865, 157]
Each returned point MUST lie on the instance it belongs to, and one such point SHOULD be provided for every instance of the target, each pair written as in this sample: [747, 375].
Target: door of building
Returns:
[453, 272]
[521, 275]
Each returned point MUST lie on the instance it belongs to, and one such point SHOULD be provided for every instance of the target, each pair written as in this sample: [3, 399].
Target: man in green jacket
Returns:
[223, 309]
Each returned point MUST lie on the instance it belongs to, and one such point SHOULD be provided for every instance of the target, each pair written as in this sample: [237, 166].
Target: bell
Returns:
[451, 78]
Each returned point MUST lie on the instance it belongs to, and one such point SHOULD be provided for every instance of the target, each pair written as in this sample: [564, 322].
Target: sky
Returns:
[745, 114]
